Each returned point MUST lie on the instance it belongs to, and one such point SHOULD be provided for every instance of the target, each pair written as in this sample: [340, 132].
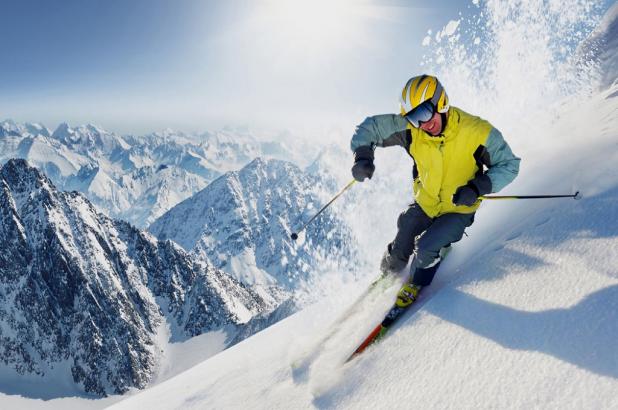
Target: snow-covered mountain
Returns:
[135, 178]
[88, 301]
[10, 128]
[242, 222]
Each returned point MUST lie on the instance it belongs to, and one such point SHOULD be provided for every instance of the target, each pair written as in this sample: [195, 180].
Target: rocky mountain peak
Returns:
[23, 178]
[87, 294]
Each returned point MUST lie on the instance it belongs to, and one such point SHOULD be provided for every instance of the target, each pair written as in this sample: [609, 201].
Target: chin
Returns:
[434, 132]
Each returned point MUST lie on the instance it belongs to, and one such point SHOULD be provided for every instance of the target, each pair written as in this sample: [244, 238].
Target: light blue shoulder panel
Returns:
[504, 164]
[374, 130]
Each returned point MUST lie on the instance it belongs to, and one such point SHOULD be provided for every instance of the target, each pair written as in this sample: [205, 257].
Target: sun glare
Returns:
[310, 25]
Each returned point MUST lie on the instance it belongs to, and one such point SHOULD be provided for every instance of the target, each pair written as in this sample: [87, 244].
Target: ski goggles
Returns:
[420, 114]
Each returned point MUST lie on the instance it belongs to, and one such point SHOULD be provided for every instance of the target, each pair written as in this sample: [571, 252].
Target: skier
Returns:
[457, 158]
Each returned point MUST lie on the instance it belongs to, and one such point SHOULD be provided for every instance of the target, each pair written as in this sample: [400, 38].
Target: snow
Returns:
[523, 313]
[184, 355]
[69, 403]
[250, 273]
[244, 372]
[40, 150]
[447, 32]
[606, 47]
[450, 28]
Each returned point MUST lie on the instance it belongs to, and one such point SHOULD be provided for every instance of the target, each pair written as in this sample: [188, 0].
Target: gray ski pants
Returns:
[424, 236]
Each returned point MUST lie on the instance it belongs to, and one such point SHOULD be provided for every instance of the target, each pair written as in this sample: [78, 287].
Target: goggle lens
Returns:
[422, 113]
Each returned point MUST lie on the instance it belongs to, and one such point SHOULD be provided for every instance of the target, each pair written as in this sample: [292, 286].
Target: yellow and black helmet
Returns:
[420, 89]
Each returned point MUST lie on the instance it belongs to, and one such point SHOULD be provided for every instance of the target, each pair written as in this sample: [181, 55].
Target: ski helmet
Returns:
[420, 89]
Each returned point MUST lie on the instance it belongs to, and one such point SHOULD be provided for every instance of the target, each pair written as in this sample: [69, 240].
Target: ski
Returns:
[393, 314]
[380, 331]
[382, 282]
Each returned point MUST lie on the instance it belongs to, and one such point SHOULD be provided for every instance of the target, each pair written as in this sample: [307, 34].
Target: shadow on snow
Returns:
[584, 335]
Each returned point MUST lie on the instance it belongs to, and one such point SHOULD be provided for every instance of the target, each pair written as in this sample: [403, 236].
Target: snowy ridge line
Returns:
[136, 178]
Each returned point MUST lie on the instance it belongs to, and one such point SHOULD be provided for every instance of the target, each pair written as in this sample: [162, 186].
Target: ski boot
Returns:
[407, 295]
[390, 264]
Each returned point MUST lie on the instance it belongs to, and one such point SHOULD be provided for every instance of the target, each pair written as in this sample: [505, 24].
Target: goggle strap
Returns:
[436, 96]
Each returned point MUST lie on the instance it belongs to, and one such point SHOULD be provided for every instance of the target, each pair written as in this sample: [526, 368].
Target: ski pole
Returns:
[294, 235]
[576, 195]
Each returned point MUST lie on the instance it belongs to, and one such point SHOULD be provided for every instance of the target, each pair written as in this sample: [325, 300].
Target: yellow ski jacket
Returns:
[468, 149]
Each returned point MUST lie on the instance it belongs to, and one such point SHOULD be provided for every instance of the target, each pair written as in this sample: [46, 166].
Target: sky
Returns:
[194, 65]
[143, 65]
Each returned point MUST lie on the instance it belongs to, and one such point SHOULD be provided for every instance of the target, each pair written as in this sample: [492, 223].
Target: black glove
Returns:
[469, 193]
[465, 195]
[363, 164]
[363, 169]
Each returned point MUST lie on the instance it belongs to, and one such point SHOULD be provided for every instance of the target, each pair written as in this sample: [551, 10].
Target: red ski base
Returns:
[373, 336]
[380, 330]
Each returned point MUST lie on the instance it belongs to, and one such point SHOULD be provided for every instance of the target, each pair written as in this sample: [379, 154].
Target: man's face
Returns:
[433, 126]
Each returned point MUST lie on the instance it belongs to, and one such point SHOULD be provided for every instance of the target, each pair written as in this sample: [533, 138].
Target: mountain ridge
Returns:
[69, 155]
[241, 223]
[77, 287]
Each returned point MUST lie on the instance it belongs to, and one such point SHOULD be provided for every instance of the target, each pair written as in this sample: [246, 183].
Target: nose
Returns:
[426, 125]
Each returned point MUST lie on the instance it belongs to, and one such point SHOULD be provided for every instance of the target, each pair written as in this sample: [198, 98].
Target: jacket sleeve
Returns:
[382, 131]
[503, 164]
